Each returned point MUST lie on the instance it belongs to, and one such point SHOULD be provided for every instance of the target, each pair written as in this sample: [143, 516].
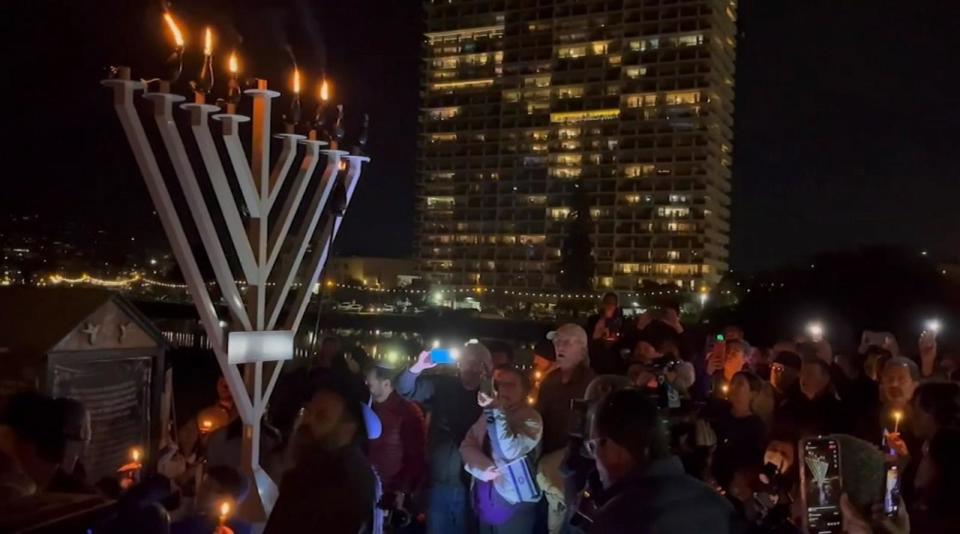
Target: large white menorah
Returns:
[280, 262]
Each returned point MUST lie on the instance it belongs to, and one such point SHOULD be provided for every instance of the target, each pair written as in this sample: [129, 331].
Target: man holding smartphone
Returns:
[451, 402]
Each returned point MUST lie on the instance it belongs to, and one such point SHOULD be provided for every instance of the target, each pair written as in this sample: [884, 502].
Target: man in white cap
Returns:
[568, 381]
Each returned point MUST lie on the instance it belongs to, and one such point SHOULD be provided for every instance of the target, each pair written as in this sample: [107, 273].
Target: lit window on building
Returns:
[570, 145]
[632, 199]
[568, 159]
[440, 202]
[570, 92]
[587, 115]
[614, 60]
[683, 97]
[690, 40]
[565, 172]
[443, 113]
[636, 171]
[443, 137]
[537, 81]
[599, 48]
[558, 213]
[539, 135]
[679, 199]
[635, 72]
[673, 211]
[571, 52]
[641, 101]
[537, 200]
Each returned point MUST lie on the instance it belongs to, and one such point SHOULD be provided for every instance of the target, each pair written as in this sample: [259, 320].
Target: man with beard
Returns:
[899, 377]
[331, 487]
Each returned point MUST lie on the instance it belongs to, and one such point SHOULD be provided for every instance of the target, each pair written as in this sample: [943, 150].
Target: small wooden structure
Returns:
[92, 345]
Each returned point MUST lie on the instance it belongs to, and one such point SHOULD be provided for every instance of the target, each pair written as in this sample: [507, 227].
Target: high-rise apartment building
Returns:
[527, 102]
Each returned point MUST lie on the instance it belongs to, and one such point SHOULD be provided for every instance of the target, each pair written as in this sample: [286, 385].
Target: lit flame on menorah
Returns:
[280, 261]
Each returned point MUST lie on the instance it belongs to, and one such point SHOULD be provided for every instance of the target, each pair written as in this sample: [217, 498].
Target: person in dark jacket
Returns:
[567, 382]
[647, 488]
[400, 453]
[331, 487]
[607, 329]
[816, 410]
[451, 402]
[37, 443]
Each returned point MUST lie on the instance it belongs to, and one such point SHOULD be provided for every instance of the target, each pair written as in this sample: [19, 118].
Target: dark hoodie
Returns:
[453, 410]
[661, 498]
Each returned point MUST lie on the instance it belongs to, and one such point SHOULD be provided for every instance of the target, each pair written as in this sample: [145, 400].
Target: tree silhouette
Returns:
[576, 253]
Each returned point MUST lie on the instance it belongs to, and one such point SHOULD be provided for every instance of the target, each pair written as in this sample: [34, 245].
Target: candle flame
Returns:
[296, 81]
[206, 424]
[225, 508]
[898, 415]
[172, 24]
[135, 454]
[232, 65]
[537, 375]
[208, 42]
[324, 91]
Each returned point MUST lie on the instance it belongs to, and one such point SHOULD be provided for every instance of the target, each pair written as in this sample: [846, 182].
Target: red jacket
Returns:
[399, 454]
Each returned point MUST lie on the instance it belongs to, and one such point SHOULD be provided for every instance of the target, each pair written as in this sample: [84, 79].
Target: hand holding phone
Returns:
[424, 362]
[891, 492]
[821, 485]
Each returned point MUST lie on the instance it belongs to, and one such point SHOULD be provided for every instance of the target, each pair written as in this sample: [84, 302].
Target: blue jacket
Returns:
[662, 499]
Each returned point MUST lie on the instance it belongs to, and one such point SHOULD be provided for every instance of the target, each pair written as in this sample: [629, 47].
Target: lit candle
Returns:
[206, 426]
[897, 415]
[724, 389]
[233, 86]
[537, 375]
[224, 510]
[136, 454]
[176, 58]
[204, 83]
[320, 114]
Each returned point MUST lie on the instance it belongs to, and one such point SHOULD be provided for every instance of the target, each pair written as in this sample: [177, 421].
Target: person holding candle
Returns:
[223, 489]
[741, 431]
[891, 424]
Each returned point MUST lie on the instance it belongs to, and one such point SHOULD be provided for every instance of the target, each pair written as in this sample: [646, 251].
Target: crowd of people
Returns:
[622, 424]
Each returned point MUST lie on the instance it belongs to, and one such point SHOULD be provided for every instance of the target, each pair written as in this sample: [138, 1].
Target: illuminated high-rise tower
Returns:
[527, 102]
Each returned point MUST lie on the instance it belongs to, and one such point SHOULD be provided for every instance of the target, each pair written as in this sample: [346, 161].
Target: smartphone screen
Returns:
[821, 483]
[441, 356]
[891, 493]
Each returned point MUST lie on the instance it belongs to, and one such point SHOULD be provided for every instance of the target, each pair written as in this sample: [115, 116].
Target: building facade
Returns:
[373, 272]
[527, 103]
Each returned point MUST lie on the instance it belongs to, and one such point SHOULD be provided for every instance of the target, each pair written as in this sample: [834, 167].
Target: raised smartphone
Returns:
[821, 483]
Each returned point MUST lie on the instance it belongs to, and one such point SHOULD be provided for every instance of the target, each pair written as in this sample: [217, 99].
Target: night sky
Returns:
[846, 114]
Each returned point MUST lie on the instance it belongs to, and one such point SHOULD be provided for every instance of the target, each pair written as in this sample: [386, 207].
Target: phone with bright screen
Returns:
[442, 356]
[821, 483]
[891, 492]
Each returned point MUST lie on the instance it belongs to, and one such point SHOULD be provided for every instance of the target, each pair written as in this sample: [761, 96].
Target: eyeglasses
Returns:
[593, 445]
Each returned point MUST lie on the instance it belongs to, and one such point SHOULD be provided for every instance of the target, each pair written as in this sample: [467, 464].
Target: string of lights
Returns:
[437, 293]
